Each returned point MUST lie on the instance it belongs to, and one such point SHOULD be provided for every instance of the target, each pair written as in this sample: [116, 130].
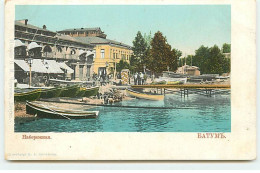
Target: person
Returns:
[153, 78]
[135, 78]
[142, 78]
[138, 79]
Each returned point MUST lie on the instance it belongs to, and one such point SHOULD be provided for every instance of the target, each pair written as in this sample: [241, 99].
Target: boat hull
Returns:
[51, 93]
[88, 92]
[145, 96]
[27, 96]
[46, 112]
[70, 91]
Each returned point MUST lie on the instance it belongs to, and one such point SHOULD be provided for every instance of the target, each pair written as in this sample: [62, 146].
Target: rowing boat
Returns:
[145, 95]
[50, 93]
[45, 111]
[27, 95]
[70, 91]
[87, 92]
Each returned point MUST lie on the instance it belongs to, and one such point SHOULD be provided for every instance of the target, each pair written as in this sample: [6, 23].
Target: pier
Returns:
[186, 89]
[185, 86]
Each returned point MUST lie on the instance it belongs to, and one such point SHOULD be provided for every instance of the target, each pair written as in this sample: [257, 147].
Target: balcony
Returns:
[47, 55]
[59, 56]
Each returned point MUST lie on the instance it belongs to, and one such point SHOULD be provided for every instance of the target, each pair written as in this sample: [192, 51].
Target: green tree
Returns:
[226, 48]
[139, 52]
[148, 39]
[161, 55]
[211, 60]
[122, 65]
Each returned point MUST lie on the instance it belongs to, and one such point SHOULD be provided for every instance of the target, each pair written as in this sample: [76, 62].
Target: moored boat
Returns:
[91, 91]
[26, 95]
[44, 111]
[87, 92]
[147, 96]
[50, 93]
[70, 91]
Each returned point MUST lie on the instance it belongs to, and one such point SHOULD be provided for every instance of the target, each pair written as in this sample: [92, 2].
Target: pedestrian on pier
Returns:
[142, 78]
[135, 78]
[138, 79]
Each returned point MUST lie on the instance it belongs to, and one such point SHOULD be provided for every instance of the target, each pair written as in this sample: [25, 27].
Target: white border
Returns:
[240, 144]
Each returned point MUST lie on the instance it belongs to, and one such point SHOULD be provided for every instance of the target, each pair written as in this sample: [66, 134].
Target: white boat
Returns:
[171, 80]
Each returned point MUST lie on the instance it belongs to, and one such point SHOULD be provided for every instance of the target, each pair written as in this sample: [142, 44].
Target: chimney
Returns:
[25, 21]
[44, 27]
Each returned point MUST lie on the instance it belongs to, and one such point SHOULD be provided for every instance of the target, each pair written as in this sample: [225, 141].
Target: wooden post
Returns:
[30, 80]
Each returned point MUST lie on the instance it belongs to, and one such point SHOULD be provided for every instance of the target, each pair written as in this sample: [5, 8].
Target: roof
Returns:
[69, 38]
[81, 29]
[20, 23]
[98, 40]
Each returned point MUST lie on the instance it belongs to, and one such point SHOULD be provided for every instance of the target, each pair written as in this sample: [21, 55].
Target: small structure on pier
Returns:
[125, 76]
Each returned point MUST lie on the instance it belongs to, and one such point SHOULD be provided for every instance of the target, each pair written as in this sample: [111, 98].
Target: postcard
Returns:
[130, 80]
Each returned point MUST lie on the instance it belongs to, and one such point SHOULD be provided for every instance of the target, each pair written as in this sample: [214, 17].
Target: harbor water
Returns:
[195, 113]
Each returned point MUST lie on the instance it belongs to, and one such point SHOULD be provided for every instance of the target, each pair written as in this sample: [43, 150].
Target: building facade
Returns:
[55, 50]
[106, 52]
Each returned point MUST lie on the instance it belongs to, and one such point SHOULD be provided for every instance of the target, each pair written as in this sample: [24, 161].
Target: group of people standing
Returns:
[139, 78]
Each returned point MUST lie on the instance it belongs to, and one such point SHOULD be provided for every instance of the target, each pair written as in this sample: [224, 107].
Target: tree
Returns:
[226, 48]
[148, 39]
[161, 55]
[139, 52]
[211, 60]
[122, 65]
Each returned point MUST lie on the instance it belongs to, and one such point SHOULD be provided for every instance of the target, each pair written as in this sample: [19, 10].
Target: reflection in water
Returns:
[194, 113]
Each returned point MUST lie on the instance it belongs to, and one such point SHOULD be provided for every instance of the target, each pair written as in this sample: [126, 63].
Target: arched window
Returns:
[47, 48]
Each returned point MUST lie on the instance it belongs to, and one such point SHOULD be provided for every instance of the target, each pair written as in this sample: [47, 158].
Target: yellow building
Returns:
[107, 53]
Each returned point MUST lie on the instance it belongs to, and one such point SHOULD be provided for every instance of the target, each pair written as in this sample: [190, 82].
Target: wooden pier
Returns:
[186, 86]
[186, 89]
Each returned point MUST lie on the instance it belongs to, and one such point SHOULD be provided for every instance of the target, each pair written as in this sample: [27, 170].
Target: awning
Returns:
[22, 64]
[52, 66]
[18, 43]
[82, 52]
[38, 66]
[33, 45]
[46, 66]
[65, 67]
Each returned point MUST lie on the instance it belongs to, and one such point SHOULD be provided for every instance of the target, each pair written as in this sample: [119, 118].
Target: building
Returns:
[84, 32]
[50, 54]
[106, 52]
[189, 70]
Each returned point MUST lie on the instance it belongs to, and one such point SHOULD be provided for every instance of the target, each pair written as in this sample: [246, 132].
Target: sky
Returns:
[186, 27]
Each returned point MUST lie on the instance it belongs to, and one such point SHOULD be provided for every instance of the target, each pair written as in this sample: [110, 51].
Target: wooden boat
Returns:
[44, 111]
[50, 93]
[70, 91]
[87, 92]
[91, 91]
[25, 95]
[145, 95]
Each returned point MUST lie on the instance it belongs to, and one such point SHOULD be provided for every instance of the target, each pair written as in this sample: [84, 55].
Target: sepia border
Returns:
[240, 144]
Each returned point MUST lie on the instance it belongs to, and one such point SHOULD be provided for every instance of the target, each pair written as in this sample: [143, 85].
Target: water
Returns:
[202, 114]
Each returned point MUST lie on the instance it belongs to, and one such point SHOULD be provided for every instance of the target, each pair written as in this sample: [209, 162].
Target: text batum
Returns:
[211, 135]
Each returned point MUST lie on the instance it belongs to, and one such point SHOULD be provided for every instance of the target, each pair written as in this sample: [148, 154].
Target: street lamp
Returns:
[144, 69]
[30, 61]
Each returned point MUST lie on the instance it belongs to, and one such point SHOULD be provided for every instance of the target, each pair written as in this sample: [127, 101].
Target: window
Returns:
[102, 51]
[94, 51]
